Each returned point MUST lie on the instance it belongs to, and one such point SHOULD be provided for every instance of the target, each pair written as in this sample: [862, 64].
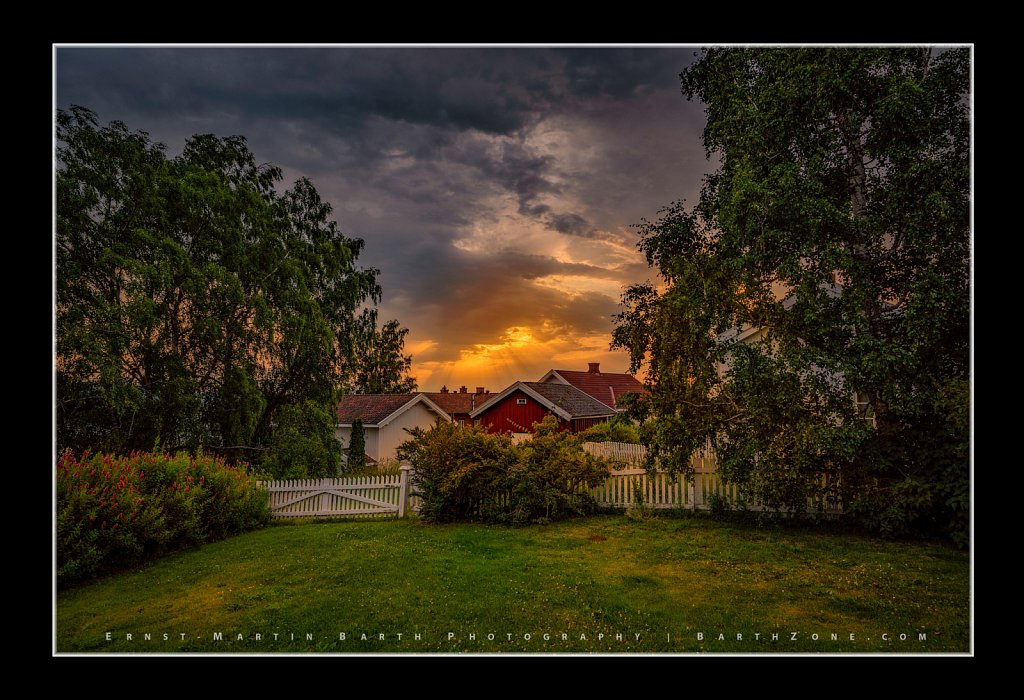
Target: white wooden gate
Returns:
[360, 497]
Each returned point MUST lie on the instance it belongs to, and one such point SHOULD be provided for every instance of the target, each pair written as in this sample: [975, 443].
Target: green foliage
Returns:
[552, 478]
[356, 447]
[932, 492]
[380, 366]
[468, 474]
[458, 471]
[619, 429]
[115, 512]
[638, 508]
[195, 298]
[838, 225]
[303, 444]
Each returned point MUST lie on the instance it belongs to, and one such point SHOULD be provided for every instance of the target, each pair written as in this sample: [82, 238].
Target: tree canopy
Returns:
[196, 300]
[812, 317]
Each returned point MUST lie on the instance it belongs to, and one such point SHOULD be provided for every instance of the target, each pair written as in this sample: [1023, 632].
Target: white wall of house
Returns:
[393, 434]
[382, 442]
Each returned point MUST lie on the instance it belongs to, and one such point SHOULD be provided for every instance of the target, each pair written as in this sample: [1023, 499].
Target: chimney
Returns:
[462, 389]
[595, 367]
[479, 390]
[444, 389]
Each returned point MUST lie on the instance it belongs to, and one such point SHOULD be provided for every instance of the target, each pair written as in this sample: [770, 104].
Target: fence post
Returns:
[403, 488]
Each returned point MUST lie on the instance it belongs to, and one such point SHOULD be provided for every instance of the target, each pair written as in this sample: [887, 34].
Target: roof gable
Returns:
[563, 400]
[381, 409]
[606, 387]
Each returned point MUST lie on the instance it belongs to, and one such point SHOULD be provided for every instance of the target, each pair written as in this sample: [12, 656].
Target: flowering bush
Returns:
[114, 512]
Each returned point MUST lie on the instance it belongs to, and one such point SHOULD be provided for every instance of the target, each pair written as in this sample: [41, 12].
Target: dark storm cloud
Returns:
[575, 225]
[418, 148]
[572, 224]
[523, 173]
[325, 108]
[620, 73]
[337, 88]
[494, 91]
[437, 275]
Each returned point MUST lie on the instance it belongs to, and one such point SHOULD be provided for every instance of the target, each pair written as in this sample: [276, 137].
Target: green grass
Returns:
[666, 580]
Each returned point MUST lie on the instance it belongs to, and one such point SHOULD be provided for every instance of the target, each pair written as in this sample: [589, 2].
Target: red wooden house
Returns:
[521, 405]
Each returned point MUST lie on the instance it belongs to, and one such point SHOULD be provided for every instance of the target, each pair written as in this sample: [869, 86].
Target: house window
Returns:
[520, 402]
[462, 422]
[864, 408]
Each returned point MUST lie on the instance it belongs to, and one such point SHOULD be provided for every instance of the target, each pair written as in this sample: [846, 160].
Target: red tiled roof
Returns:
[453, 402]
[371, 408]
[606, 387]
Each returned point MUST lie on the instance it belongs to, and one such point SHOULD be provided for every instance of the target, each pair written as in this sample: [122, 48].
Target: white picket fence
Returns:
[358, 497]
[392, 496]
[633, 485]
[620, 451]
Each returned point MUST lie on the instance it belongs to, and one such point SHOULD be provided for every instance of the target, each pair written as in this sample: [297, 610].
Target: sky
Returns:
[496, 189]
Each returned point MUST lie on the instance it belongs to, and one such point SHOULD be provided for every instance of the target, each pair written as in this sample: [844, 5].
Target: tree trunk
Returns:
[850, 127]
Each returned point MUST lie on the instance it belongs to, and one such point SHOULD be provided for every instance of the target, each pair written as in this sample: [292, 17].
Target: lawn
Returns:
[602, 584]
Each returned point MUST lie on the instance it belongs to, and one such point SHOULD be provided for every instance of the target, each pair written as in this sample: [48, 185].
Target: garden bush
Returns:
[552, 477]
[115, 512]
[619, 429]
[465, 474]
[458, 471]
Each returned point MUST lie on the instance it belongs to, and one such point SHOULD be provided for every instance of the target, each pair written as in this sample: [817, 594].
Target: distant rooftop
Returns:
[606, 387]
[370, 408]
[570, 399]
[461, 401]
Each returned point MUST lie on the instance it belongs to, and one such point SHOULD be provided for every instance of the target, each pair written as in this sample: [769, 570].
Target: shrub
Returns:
[457, 471]
[931, 494]
[469, 474]
[115, 512]
[638, 508]
[552, 477]
[619, 429]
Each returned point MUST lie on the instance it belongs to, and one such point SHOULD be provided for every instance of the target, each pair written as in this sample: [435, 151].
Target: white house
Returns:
[385, 418]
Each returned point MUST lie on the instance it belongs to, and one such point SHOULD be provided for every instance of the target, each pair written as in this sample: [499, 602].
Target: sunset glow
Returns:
[496, 190]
